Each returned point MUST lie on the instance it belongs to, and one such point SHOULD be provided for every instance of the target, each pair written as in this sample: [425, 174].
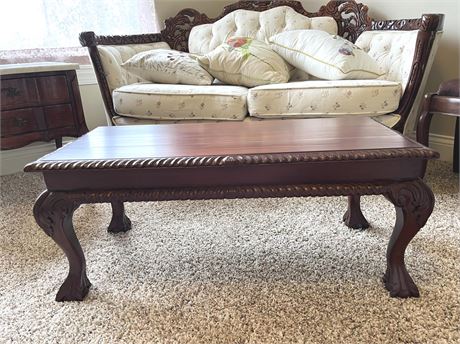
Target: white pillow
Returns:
[296, 74]
[325, 56]
[168, 67]
[245, 61]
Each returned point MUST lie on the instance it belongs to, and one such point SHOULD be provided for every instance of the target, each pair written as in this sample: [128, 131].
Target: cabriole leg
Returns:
[414, 202]
[353, 217]
[53, 213]
[120, 222]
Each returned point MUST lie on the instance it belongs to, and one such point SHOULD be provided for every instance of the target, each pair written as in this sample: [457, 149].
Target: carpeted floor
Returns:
[231, 271]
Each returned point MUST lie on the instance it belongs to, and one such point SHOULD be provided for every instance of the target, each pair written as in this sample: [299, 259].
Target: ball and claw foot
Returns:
[353, 217]
[74, 288]
[399, 283]
[120, 223]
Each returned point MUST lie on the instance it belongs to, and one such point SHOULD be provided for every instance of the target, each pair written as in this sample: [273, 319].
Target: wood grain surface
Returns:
[232, 138]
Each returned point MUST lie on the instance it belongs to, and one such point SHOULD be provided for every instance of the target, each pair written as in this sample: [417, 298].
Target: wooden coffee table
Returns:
[291, 158]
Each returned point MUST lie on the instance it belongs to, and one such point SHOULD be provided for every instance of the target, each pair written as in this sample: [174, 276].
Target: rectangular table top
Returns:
[228, 138]
[288, 152]
[358, 134]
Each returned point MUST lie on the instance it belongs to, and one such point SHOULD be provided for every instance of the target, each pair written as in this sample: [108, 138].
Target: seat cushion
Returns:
[180, 102]
[321, 98]
[123, 120]
[387, 120]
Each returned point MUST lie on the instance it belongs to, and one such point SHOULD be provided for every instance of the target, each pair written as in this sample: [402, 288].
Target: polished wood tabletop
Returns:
[232, 138]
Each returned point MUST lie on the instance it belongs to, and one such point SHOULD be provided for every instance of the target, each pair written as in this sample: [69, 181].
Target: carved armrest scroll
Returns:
[90, 39]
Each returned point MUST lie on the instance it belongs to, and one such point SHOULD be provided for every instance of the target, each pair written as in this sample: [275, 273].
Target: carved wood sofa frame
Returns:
[352, 19]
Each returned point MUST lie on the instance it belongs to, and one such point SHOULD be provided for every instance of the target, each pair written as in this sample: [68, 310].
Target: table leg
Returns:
[53, 213]
[414, 202]
[120, 222]
[353, 217]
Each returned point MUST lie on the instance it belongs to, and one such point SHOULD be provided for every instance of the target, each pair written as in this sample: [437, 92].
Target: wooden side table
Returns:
[39, 102]
[447, 102]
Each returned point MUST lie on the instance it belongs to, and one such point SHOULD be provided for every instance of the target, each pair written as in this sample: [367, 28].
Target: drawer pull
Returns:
[11, 92]
[20, 122]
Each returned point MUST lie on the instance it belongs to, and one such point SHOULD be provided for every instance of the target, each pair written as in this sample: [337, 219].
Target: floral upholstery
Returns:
[393, 50]
[181, 102]
[112, 56]
[123, 120]
[259, 25]
[324, 98]
[387, 120]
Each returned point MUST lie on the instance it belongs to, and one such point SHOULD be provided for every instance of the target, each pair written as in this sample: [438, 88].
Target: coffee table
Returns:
[283, 158]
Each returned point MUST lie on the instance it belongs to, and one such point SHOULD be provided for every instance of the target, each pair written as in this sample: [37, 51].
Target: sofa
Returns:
[404, 48]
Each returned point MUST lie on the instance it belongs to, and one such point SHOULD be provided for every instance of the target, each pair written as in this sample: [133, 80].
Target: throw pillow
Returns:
[245, 61]
[168, 67]
[296, 74]
[325, 56]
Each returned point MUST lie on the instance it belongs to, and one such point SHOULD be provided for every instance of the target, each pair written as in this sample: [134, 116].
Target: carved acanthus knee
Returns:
[50, 208]
[414, 198]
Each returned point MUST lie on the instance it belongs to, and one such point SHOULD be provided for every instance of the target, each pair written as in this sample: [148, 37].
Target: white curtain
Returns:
[48, 29]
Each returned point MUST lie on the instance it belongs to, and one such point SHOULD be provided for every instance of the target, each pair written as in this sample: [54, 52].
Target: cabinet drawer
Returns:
[58, 116]
[22, 121]
[17, 93]
[53, 89]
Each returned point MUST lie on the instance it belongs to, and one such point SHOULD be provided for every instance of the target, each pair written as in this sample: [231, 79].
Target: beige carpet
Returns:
[231, 271]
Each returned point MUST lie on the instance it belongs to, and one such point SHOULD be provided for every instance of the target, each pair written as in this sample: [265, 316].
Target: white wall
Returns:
[446, 66]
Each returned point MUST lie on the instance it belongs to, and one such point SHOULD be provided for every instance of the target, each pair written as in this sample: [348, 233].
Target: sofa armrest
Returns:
[90, 39]
[405, 48]
[394, 52]
[107, 53]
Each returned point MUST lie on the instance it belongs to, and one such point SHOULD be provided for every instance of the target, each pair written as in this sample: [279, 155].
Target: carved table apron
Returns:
[296, 158]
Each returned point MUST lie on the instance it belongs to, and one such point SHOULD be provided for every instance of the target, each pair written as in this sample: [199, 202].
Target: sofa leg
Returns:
[353, 217]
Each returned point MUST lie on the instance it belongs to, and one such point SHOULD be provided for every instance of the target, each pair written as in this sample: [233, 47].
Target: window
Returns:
[47, 30]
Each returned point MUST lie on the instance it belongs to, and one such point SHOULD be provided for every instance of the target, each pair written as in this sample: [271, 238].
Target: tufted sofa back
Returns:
[259, 25]
[394, 51]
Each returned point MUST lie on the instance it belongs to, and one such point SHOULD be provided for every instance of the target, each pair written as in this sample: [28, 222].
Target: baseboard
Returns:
[442, 143]
[14, 160]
